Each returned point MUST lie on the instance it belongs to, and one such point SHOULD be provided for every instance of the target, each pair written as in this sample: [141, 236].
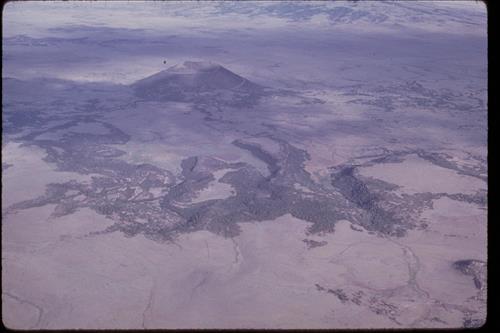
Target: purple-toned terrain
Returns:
[171, 165]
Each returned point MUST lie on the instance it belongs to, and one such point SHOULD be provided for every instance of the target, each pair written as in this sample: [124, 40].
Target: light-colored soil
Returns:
[264, 278]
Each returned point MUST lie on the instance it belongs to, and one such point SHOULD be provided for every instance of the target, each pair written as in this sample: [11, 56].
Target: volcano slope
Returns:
[231, 208]
[121, 188]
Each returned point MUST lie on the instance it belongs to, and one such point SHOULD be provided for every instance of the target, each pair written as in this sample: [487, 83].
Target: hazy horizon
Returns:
[265, 164]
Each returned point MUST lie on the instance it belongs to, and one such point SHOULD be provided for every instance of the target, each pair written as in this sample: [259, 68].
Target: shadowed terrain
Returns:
[243, 165]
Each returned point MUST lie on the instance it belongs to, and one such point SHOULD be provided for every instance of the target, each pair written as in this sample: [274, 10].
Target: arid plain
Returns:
[244, 165]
